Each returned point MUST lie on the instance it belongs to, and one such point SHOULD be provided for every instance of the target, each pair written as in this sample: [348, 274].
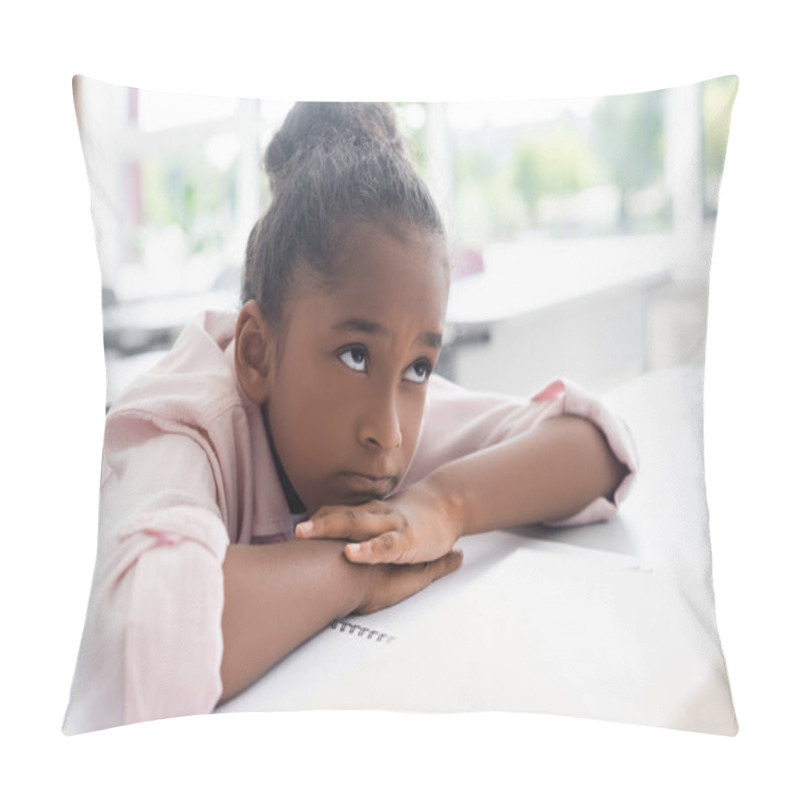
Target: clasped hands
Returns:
[408, 539]
[417, 525]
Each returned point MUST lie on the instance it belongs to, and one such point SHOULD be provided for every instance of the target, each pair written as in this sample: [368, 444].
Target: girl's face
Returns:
[348, 392]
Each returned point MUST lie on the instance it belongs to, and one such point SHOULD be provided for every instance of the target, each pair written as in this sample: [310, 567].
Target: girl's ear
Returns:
[254, 353]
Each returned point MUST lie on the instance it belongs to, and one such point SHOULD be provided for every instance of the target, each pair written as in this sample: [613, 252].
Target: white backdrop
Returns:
[53, 394]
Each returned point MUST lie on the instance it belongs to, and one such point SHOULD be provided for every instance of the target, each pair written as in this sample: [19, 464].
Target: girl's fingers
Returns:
[346, 522]
[421, 575]
[446, 564]
[397, 582]
[390, 547]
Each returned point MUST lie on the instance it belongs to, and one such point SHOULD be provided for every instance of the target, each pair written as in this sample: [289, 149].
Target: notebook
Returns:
[545, 628]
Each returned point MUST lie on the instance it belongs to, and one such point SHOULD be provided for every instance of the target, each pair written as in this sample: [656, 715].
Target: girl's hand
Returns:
[391, 583]
[417, 525]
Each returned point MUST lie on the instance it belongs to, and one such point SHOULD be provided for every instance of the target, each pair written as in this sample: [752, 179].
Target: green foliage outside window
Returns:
[534, 179]
[718, 97]
[556, 162]
[627, 133]
[189, 192]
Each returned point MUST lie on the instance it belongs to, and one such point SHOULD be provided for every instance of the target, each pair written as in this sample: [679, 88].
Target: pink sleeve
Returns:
[152, 642]
[459, 422]
[569, 398]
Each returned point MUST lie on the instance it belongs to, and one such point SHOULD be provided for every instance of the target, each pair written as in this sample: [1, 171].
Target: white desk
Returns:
[469, 641]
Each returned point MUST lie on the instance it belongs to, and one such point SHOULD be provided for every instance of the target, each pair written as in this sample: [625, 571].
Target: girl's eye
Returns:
[355, 358]
[419, 371]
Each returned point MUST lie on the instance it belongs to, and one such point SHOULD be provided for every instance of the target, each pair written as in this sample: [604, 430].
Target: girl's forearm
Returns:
[548, 474]
[278, 596]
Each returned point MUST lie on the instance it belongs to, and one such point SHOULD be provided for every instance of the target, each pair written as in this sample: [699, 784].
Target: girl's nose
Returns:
[380, 423]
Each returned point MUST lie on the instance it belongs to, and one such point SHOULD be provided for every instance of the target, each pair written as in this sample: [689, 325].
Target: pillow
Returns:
[581, 235]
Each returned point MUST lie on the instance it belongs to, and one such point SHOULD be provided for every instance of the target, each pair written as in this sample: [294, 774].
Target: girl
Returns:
[311, 422]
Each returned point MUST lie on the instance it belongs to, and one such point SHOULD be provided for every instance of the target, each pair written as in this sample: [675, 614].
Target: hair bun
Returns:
[327, 125]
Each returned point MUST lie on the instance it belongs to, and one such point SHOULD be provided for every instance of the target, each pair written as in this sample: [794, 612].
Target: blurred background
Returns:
[581, 231]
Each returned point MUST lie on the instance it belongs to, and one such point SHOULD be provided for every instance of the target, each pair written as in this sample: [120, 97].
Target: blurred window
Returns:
[177, 184]
[564, 169]
[185, 182]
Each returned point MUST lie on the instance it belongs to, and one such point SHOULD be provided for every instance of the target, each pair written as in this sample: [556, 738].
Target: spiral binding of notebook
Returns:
[343, 626]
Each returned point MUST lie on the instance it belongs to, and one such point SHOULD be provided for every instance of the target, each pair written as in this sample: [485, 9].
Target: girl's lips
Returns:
[375, 486]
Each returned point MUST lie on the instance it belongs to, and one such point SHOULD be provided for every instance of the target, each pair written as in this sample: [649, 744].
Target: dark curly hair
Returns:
[329, 165]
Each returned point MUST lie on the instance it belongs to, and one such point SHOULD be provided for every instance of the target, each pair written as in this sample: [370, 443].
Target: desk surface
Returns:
[661, 531]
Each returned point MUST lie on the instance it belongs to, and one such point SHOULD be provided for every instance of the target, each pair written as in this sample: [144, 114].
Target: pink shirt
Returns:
[187, 470]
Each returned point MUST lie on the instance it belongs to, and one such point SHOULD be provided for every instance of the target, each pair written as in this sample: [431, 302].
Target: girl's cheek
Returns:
[412, 421]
